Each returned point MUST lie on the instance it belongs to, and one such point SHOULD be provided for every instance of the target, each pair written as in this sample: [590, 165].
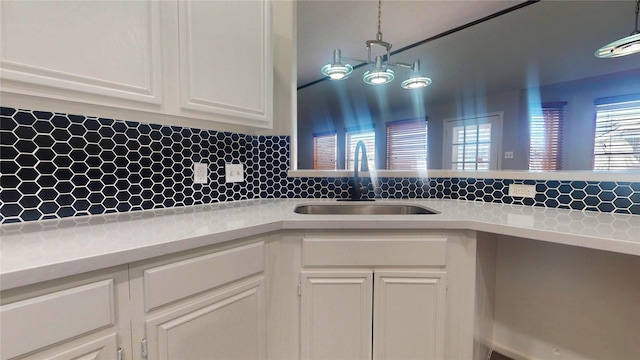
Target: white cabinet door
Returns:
[229, 324]
[226, 59]
[336, 314]
[98, 52]
[82, 317]
[201, 304]
[409, 314]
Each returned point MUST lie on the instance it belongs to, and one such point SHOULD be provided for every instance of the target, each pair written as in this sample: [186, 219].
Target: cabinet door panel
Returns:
[225, 325]
[61, 316]
[105, 48]
[225, 58]
[336, 315]
[409, 310]
[103, 348]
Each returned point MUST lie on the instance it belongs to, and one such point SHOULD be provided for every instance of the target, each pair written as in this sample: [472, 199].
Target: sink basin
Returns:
[363, 208]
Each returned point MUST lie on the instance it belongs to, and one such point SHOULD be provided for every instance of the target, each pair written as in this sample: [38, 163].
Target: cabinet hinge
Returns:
[120, 353]
[299, 289]
[143, 348]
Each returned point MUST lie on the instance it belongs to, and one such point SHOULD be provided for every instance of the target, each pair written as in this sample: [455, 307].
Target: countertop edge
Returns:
[43, 271]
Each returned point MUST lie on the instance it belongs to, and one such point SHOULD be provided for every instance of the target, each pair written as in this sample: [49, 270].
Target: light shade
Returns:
[337, 71]
[625, 46]
[416, 82]
[378, 76]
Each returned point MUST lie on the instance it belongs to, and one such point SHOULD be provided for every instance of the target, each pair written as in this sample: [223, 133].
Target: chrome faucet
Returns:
[356, 189]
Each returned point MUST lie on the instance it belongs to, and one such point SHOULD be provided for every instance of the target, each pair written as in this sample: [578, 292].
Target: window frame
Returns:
[495, 142]
[612, 111]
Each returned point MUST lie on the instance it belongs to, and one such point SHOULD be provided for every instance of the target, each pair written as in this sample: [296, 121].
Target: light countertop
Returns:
[40, 251]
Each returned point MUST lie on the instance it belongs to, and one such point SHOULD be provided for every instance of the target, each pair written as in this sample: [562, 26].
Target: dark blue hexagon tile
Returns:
[60, 165]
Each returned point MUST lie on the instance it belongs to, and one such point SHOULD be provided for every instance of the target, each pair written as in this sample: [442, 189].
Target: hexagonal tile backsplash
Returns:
[57, 165]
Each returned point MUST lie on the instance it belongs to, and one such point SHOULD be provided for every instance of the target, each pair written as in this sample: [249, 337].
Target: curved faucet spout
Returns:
[356, 192]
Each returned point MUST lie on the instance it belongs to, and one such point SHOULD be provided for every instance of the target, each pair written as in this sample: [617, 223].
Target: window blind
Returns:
[407, 144]
[369, 139]
[324, 151]
[617, 134]
[545, 137]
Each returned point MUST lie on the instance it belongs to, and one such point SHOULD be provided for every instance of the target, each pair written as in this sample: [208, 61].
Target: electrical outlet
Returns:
[200, 173]
[520, 190]
[234, 172]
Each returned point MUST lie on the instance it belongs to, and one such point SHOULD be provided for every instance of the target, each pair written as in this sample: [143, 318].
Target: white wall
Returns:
[560, 302]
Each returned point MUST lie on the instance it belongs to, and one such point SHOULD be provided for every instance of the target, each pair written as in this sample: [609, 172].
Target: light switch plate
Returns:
[508, 154]
[234, 172]
[200, 173]
[520, 190]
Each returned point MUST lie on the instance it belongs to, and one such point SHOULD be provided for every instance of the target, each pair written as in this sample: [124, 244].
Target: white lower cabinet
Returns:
[336, 314]
[409, 314]
[223, 325]
[287, 295]
[204, 305]
[83, 317]
[398, 314]
[372, 296]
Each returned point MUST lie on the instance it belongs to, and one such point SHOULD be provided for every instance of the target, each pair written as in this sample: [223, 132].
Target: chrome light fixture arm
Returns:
[380, 74]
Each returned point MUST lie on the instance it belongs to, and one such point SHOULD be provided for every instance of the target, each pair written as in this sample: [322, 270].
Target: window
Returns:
[470, 143]
[369, 138]
[324, 151]
[617, 135]
[407, 144]
[545, 137]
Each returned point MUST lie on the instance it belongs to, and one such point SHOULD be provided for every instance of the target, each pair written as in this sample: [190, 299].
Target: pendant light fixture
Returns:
[625, 46]
[380, 73]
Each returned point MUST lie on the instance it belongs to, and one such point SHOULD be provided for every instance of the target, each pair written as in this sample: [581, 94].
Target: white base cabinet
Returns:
[367, 295]
[202, 305]
[84, 317]
[288, 295]
[222, 325]
[409, 314]
[399, 314]
[336, 314]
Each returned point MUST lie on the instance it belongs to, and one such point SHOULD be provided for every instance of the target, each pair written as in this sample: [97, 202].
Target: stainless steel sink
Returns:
[363, 208]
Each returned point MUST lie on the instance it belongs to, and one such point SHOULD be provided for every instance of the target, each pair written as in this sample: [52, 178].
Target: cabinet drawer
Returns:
[60, 316]
[171, 282]
[372, 252]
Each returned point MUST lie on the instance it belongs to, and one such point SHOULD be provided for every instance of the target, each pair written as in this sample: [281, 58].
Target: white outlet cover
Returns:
[521, 190]
[234, 172]
[200, 173]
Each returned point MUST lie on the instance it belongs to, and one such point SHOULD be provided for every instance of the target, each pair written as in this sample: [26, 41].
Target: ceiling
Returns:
[547, 42]
[325, 25]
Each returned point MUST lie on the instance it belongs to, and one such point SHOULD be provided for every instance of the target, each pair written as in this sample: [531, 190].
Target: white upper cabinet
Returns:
[90, 51]
[225, 59]
[180, 59]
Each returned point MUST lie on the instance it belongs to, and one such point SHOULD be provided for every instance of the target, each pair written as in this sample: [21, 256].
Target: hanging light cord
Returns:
[379, 35]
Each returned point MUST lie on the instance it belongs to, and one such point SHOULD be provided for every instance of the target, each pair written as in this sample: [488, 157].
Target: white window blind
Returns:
[545, 137]
[407, 144]
[617, 135]
[471, 147]
[324, 151]
[369, 139]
